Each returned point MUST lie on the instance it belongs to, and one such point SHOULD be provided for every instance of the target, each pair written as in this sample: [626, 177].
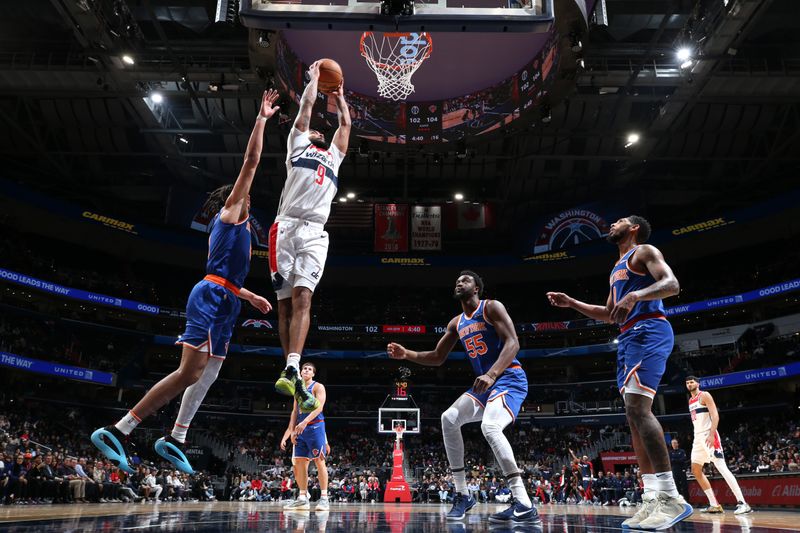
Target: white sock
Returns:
[303, 495]
[730, 479]
[518, 490]
[712, 500]
[193, 397]
[128, 423]
[460, 481]
[324, 493]
[666, 483]
[650, 484]
[293, 360]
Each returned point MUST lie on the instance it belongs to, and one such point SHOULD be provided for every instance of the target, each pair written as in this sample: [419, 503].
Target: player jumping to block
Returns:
[211, 313]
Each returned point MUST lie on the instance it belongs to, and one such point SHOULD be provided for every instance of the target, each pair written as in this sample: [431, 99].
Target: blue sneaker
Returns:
[461, 504]
[515, 514]
[170, 449]
[111, 442]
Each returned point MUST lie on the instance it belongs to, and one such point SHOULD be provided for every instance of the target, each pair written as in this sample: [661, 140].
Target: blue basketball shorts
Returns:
[511, 388]
[642, 355]
[211, 314]
[311, 442]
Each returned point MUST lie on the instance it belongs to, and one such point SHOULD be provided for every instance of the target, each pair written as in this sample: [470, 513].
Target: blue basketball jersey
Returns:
[303, 416]
[625, 280]
[481, 342]
[229, 249]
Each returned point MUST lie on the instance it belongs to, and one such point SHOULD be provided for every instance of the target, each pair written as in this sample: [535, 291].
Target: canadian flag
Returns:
[472, 216]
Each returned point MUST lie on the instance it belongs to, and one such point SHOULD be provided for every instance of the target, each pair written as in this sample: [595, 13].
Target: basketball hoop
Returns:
[394, 58]
[399, 429]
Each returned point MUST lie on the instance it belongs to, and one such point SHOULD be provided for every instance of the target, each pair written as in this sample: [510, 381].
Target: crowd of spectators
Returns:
[40, 463]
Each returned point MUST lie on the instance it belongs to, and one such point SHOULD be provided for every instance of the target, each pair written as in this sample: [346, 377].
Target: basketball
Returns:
[330, 75]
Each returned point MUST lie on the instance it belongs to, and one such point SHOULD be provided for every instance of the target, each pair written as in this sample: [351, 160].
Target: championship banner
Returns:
[762, 490]
[391, 228]
[426, 227]
[610, 459]
[56, 369]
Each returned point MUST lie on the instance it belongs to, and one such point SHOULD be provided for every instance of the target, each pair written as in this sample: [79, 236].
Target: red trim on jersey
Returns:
[273, 247]
[485, 317]
[628, 325]
[222, 282]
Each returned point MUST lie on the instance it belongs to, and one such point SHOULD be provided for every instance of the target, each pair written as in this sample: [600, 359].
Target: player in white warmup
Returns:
[298, 242]
[707, 447]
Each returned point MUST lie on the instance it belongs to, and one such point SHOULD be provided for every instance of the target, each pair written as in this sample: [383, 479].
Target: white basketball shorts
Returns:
[297, 253]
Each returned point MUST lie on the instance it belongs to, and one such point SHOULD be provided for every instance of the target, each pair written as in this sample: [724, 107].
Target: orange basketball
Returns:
[330, 75]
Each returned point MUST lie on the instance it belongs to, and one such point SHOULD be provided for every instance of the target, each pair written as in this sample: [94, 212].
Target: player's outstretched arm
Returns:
[597, 312]
[436, 357]
[259, 302]
[498, 315]
[303, 120]
[666, 284]
[236, 209]
[341, 138]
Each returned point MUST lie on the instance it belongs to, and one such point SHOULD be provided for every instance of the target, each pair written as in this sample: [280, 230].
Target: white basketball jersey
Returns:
[700, 415]
[311, 179]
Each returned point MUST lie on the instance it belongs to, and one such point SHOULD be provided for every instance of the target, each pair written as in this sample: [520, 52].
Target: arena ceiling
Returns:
[722, 132]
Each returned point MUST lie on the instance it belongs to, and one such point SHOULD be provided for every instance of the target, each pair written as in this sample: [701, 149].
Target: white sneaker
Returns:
[742, 508]
[668, 511]
[323, 504]
[300, 504]
[648, 505]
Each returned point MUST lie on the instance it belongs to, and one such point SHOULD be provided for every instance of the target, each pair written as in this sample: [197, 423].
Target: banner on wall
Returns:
[766, 490]
[747, 377]
[391, 228]
[426, 227]
[573, 227]
[611, 459]
[56, 369]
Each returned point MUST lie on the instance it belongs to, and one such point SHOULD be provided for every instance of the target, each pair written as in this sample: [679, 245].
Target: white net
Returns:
[394, 58]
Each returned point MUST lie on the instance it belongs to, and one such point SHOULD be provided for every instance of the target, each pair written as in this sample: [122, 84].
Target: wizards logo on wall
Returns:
[571, 228]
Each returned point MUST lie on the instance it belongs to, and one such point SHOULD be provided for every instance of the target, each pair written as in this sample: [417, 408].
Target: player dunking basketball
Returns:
[707, 447]
[211, 313]
[639, 280]
[298, 242]
[490, 340]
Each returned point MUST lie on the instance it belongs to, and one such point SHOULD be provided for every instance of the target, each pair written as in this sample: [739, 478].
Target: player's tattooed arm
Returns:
[435, 357]
[303, 120]
[498, 315]
[666, 284]
[341, 138]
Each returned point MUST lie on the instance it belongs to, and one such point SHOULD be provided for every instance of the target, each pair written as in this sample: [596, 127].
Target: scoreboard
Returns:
[423, 122]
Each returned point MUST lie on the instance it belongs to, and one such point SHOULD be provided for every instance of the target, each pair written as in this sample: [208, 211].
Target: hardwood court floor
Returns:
[349, 518]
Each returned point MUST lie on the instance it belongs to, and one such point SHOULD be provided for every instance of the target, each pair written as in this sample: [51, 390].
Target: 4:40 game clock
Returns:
[423, 122]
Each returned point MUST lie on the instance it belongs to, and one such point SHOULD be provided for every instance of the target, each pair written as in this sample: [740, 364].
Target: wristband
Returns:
[261, 117]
